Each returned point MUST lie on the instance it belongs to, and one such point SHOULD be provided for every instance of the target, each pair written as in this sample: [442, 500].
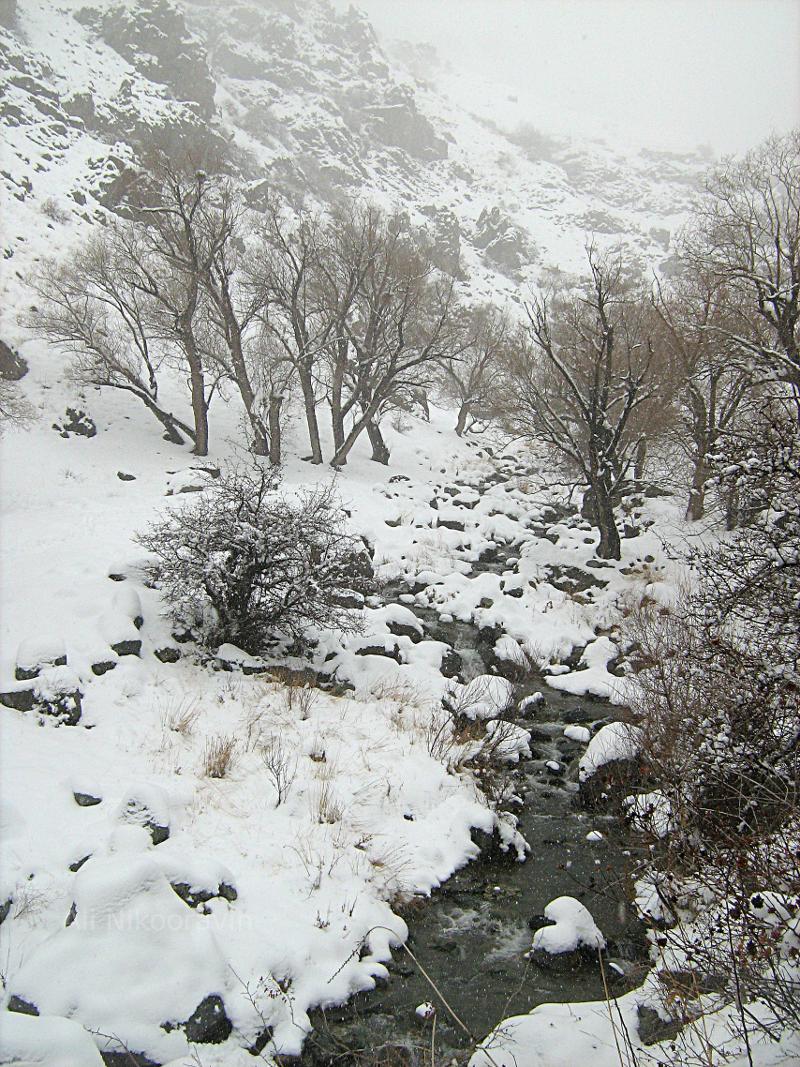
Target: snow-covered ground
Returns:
[292, 900]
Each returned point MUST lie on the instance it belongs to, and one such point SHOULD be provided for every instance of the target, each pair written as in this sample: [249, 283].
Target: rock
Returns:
[147, 807]
[103, 666]
[231, 658]
[610, 768]
[77, 864]
[401, 629]
[125, 477]
[193, 896]
[652, 1028]
[86, 800]
[5, 908]
[76, 422]
[451, 664]
[25, 1007]
[570, 939]
[390, 651]
[504, 244]
[19, 699]
[55, 692]
[167, 654]
[119, 628]
[452, 524]
[12, 366]
[348, 599]
[35, 654]
[208, 1024]
[127, 648]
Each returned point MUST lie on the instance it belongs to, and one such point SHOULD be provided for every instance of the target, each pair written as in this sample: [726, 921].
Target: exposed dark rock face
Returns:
[207, 1025]
[505, 245]
[12, 365]
[154, 39]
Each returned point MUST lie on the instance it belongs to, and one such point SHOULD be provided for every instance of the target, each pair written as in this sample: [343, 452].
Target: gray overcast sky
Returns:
[676, 73]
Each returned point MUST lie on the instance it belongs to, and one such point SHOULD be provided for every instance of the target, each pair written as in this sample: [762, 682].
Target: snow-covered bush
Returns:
[247, 564]
[719, 703]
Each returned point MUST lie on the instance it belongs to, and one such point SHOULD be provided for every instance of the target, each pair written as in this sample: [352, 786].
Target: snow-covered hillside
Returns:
[303, 98]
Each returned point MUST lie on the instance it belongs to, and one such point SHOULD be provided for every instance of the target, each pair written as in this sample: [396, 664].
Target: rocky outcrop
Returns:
[504, 244]
[154, 39]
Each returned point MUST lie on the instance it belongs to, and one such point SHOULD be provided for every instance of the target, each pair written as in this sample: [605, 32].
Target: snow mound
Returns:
[28, 1040]
[482, 698]
[574, 928]
[614, 741]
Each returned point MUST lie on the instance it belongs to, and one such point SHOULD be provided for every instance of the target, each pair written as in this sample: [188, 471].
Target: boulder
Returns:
[34, 654]
[570, 939]
[12, 365]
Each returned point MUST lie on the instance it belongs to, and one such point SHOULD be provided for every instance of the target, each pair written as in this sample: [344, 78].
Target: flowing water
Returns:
[471, 936]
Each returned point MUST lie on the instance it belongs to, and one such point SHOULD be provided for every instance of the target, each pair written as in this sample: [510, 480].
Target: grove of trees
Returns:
[345, 313]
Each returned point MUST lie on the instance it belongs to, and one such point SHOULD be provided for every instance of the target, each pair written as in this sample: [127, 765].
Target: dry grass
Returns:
[180, 715]
[219, 756]
[325, 805]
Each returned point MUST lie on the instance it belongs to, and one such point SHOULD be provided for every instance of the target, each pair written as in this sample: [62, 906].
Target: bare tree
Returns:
[395, 330]
[175, 239]
[470, 377]
[580, 378]
[711, 376]
[746, 234]
[93, 307]
[283, 280]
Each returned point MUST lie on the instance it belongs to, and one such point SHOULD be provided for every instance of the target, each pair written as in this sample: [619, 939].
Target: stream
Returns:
[472, 934]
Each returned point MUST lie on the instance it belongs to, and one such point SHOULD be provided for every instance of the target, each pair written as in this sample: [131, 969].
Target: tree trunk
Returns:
[640, 459]
[275, 403]
[732, 510]
[200, 410]
[337, 417]
[174, 429]
[260, 435]
[380, 451]
[697, 494]
[610, 546]
[310, 404]
[463, 415]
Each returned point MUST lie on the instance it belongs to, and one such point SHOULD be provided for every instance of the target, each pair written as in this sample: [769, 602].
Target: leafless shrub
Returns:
[440, 739]
[281, 767]
[51, 209]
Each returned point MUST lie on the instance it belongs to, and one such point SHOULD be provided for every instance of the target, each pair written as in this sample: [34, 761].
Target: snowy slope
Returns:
[303, 98]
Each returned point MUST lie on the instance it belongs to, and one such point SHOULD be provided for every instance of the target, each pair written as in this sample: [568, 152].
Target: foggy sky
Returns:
[665, 73]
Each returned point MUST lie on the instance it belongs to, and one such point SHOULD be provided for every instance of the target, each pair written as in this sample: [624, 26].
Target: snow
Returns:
[650, 811]
[593, 676]
[40, 650]
[27, 1040]
[577, 733]
[614, 741]
[574, 928]
[318, 877]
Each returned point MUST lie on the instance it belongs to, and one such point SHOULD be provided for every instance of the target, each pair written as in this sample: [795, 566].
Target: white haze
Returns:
[670, 74]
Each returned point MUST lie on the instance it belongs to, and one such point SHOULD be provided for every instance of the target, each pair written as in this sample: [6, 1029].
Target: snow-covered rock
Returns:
[572, 938]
